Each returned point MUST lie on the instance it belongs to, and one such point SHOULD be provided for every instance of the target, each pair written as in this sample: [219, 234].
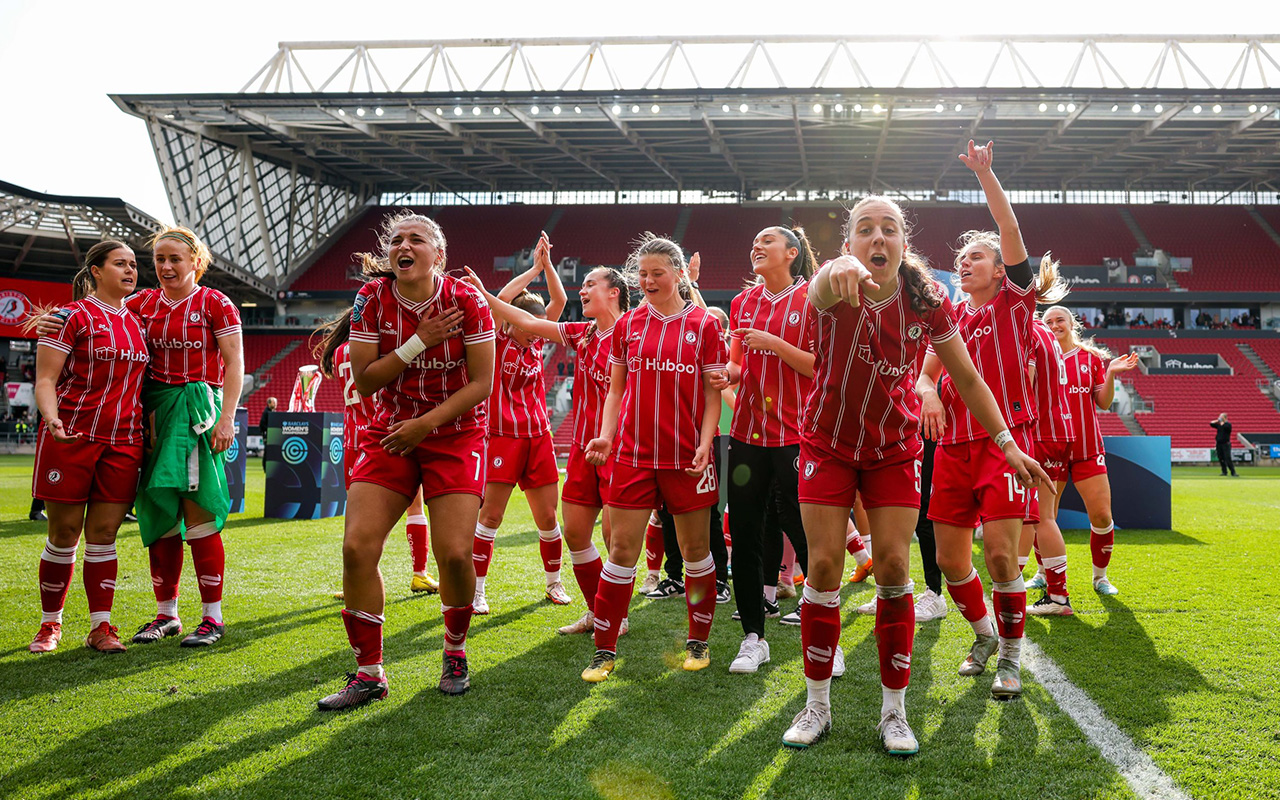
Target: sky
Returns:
[63, 135]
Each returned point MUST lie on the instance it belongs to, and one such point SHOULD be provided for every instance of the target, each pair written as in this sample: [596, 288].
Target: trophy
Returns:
[305, 388]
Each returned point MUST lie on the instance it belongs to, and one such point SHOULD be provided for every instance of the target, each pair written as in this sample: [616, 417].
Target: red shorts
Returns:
[85, 471]
[826, 479]
[1086, 468]
[973, 483]
[585, 484]
[452, 463]
[1055, 457]
[349, 457]
[637, 487]
[528, 462]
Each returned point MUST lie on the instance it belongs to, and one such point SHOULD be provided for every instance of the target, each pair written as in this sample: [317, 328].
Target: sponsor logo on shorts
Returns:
[53, 476]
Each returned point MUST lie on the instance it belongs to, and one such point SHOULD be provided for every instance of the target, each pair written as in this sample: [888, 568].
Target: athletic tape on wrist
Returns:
[409, 350]
[1003, 438]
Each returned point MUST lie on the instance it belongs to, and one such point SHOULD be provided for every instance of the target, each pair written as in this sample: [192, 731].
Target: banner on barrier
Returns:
[302, 482]
[235, 460]
[1141, 474]
[1189, 455]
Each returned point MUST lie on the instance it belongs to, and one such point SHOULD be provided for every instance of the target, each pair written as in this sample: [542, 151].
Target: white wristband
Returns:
[1003, 438]
[410, 349]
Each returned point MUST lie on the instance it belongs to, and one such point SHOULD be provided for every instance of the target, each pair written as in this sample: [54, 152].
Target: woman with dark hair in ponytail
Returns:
[89, 377]
[604, 296]
[771, 363]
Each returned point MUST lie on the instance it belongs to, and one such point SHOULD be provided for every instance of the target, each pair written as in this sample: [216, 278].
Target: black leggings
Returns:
[760, 476]
[924, 526]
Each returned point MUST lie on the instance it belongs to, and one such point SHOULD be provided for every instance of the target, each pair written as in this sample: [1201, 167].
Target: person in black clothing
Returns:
[262, 427]
[1223, 444]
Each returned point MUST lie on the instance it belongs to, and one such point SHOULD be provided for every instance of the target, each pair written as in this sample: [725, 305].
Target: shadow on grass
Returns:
[1128, 537]
[12, 528]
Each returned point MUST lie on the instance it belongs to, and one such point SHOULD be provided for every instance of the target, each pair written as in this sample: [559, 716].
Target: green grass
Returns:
[1184, 661]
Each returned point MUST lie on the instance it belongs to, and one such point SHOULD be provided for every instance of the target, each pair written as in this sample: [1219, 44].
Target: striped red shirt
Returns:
[771, 394]
[998, 337]
[184, 335]
[100, 388]
[518, 405]
[383, 317]
[1085, 373]
[1053, 415]
[863, 404]
[660, 421]
[357, 410]
[590, 378]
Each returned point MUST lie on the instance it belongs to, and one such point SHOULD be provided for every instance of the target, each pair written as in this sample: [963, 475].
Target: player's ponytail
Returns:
[1049, 284]
[332, 334]
[83, 284]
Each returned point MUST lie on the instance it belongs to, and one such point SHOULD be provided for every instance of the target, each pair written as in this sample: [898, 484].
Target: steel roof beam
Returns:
[638, 142]
[1127, 142]
[558, 142]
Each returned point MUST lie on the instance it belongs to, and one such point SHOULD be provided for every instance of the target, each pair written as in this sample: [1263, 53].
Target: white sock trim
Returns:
[416, 519]
[58, 555]
[819, 691]
[202, 530]
[488, 534]
[1102, 531]
[973, 573]
[99, 553]
[891, 592]
[1010, 587]
[614, 573]
[585, 556]
[700, 568]
[1056, 562]
[829, 599]
[551, 535]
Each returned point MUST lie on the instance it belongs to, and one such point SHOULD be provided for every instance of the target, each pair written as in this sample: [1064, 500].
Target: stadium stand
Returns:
[1229, 251]
[603, 234]
[723, 235]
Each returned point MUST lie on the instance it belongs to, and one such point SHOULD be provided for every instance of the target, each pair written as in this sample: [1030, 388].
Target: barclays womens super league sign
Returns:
[303, 481]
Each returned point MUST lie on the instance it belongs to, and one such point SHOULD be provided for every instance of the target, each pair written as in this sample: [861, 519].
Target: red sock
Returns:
[364, 632]
[613, 597]
[895, 633]
[1011, 612]
[653, 546]
[419, 537]
[1101, 540]
[728, 539]
[457, 621]
[551, 549]
[1055, 576]
[700, 597]
[968, 597]
[210, 561]
[853, 543]
[100, 570]
[482, 550]
[166, 567]
[57, 565]
[819, 632]
[586, 571]
[1039, 558]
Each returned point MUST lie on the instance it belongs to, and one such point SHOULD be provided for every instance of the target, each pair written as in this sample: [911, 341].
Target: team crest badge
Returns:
[497, 461]
[793, 318]
[690, 337]
[194, 316]
[54, 476]
[1084, 367]
[810, 467]
[914, 332]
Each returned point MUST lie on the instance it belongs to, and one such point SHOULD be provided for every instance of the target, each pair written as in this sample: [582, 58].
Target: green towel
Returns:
[181, 462]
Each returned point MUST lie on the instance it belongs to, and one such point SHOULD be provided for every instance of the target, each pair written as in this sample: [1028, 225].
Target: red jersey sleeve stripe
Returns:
[360, 336]
[55, 344]
[478, 338]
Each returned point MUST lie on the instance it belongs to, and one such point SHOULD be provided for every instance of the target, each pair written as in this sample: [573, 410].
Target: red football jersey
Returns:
[590, 378]
[1053, 415]
[184, 335]
[1085, 372]
[100, 389]
[771, 394]
[357, 410]
[383, 317]
[863, 404]
[518, 405]
[660, 421]
[998, 337]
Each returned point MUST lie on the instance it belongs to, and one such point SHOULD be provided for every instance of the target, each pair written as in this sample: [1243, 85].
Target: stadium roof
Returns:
[325, 127]
[45, 236]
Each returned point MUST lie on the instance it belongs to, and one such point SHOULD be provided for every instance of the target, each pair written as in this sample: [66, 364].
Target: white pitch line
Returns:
[1146, 779]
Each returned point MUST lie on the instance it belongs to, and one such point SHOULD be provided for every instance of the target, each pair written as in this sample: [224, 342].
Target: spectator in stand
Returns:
[1223, 444]
[262, 427]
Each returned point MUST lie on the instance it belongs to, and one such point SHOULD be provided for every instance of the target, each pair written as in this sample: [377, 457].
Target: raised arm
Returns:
[840, 279]
[505, 312]
[1012, 249]
[1104, 394]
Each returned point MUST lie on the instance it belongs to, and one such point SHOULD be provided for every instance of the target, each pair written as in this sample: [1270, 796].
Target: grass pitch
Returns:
[1184, 661]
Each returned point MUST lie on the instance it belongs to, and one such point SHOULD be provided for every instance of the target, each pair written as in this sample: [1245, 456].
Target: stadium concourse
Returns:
[1156, 195]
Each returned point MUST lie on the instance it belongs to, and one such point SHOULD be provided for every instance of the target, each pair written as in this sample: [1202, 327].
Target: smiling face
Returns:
[659, 281]
[1061, 324]
[118, 274]
[772, 252]
[877, 238]
[175, 266]
[596, 294]
[413, 251]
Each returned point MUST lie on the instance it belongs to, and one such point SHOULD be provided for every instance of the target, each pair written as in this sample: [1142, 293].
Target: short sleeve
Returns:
[1020, 295]
[735, 315]
[364, 314]
[942, 322]
[572, 333]
[224, 317]
[618, 345]
[72, 329]
[712, 355]
[1099, 371]
[807, 324]
[477, 319]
